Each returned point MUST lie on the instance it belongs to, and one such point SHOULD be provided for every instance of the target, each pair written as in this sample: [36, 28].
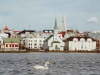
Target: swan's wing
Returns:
[39, 67]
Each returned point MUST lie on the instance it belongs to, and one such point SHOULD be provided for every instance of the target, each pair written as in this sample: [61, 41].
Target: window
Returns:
[35, 44]
[40, 40]
[55, 38]
[29, 44]
[75, 41]
[12, 45]
[16, 45]
[31, 40]
[6, 45]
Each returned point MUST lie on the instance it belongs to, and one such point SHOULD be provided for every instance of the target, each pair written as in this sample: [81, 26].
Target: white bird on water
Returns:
[38, 67]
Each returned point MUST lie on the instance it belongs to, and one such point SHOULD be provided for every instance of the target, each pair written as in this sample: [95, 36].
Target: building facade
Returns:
[80, 44]
[11, 44]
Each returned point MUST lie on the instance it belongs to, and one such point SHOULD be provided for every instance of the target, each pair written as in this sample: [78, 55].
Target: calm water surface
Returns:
[60, 63]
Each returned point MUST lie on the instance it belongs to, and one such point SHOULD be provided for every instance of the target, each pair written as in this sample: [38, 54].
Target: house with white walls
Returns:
[34, 42]
[75, 43]
[54, 42]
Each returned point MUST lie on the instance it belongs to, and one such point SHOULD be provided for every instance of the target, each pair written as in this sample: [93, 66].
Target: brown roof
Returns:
[71, 38]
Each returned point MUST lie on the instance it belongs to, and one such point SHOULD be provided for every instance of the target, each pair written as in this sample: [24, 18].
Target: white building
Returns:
[8, 31]
[94, 34]
[2, 36]
[34, 43]
[54, 42]
[80, 44]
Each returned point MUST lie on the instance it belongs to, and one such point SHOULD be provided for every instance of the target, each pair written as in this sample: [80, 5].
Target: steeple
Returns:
[55, 27]
[6, 28]
[63, 26]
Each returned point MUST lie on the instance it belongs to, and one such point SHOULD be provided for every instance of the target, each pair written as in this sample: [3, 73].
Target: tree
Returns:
[22, 46]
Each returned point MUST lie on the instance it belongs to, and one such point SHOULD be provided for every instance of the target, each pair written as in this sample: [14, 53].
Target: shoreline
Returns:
[49, 52]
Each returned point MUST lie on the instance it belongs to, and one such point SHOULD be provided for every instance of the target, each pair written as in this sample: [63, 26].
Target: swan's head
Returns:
[48, 63]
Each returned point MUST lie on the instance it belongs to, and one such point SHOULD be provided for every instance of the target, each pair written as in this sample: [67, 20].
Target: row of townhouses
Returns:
[53, 40]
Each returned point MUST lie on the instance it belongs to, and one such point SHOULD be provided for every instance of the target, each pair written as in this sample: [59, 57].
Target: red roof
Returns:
[6, 28]
[63, 33]
[17, 31]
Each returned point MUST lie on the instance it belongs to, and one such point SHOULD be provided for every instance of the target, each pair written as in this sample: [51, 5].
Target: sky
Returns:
[83, 15]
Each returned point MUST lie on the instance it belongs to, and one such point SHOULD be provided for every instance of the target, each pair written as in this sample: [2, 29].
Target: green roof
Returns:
[55, 42]
[11, 40]
[55, 27]
[2, 43]
[48, 38]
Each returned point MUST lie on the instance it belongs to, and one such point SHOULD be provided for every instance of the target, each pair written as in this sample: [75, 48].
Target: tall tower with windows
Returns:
[63, 26]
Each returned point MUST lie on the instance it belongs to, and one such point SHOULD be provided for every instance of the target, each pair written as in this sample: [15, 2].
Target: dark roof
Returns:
[47, 30]
[71, 38]
[26, 31]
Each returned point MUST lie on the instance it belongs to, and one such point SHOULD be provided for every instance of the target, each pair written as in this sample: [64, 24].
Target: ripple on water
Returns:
[60, 63]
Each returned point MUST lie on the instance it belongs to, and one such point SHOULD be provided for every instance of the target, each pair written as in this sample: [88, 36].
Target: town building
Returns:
[34, 43]
[2, 35]
[11, 44]
[95, 35]
[8, 31]
[54, 42]
[80, 44]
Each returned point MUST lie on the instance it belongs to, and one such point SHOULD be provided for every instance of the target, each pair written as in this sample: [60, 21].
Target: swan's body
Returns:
[41, 67]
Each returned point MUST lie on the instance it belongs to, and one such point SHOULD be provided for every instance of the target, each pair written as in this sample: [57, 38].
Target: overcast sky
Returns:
[83, 15]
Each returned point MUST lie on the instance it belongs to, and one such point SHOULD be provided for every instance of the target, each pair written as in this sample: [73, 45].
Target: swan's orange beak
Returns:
[48, 63]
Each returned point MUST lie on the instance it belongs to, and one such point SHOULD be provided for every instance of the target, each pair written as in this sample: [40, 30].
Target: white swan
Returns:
[38, 67]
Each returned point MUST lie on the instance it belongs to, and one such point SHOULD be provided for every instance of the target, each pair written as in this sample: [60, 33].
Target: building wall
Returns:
[81, 45]
[11, 48]
[45, 45]
[34, 42]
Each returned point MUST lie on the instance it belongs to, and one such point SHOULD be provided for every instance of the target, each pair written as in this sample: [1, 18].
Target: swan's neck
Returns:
[46, 66]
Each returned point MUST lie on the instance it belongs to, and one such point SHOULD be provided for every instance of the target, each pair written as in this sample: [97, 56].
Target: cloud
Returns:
[92, 20]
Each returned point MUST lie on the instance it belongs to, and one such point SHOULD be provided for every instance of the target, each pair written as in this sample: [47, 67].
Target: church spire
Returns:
[63, 26]
[55, 27]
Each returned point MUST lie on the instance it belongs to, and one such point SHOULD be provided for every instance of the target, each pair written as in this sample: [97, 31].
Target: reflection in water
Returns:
[60, 63]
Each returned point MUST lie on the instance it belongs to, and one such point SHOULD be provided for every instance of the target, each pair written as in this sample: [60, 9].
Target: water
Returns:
[60, 63]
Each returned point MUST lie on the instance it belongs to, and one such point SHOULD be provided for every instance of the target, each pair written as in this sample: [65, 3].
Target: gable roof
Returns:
[48, 38]
[11, 40]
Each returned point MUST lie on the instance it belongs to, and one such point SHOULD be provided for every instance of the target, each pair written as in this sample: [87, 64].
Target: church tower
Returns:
[63, 26]
[55, 27]
[55, 31]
